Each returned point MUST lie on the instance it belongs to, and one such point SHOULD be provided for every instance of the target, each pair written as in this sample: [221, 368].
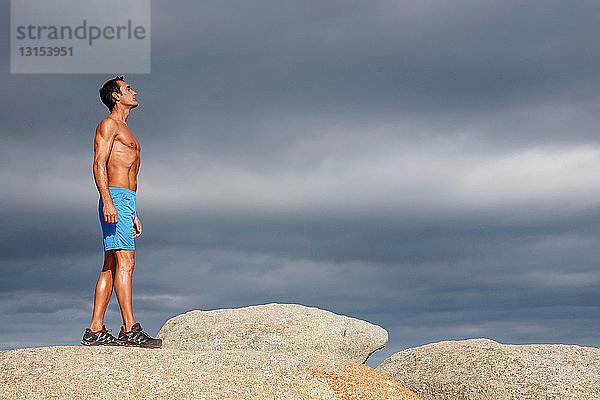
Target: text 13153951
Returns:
[46, 51]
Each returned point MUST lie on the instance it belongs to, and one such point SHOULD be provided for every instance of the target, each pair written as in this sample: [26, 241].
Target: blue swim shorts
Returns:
[119, 235]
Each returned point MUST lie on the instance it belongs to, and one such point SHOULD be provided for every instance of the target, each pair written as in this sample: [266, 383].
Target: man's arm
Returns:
[103, 141]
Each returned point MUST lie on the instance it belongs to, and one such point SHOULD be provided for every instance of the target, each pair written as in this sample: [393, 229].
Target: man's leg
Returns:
[131, 334]
[122, 283]
[104, 289]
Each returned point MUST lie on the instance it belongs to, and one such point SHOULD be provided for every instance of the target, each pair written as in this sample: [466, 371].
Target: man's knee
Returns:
[125, 260]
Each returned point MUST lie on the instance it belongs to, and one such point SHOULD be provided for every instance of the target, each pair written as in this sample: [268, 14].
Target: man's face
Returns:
[127, 95]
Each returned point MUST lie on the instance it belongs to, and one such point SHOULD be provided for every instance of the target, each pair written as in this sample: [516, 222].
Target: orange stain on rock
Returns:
[351, 381]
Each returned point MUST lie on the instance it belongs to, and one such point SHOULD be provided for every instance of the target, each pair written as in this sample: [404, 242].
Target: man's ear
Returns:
[116, 96]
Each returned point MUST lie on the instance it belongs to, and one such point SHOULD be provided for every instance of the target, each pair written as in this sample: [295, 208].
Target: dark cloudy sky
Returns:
[428, 166]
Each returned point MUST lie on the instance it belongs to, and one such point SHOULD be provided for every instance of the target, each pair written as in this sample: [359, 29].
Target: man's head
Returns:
[117, 91]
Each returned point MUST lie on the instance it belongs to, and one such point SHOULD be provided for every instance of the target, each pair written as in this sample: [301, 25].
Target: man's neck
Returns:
[120, 113]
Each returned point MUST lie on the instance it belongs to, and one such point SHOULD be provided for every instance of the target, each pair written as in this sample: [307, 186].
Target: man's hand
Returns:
[110, 213]
[137, 227]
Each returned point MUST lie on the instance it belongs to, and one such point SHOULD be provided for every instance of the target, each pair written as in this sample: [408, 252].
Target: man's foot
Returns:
[138, 338]
[100, 338]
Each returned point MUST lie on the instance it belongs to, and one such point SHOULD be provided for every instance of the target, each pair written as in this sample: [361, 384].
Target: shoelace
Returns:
[104, 335]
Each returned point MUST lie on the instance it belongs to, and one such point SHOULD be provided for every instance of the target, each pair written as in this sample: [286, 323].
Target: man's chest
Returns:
[127, 139]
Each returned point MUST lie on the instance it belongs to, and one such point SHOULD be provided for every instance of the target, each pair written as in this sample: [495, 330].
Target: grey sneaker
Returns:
[100, 338]
[138, 338]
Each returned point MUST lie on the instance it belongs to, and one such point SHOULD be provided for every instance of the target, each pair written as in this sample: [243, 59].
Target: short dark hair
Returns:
[108, 89]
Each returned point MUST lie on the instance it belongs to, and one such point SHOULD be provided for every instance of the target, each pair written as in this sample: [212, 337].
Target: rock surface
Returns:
[275, 328]
[79, 372]
[485, 369]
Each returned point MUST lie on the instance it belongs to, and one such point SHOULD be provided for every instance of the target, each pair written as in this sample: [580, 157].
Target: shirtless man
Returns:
[116, 165]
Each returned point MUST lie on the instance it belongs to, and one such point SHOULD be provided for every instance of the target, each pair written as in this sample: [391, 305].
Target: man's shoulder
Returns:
[108, 122]
[107, 126]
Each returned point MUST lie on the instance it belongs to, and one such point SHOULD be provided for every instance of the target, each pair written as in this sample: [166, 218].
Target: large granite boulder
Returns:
[98, 373]
[275, 328]
[478, 369]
